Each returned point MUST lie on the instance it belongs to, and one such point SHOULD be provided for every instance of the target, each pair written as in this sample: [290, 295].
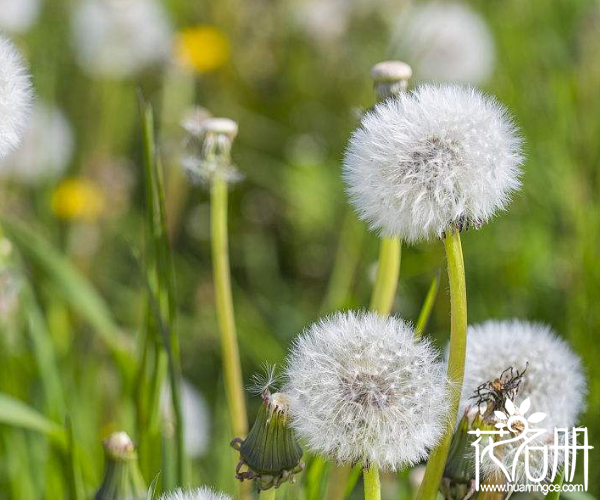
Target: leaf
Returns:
[500, 415]
[510, 406]
[16, 413]
[536, 417]
[152, 488]
[525, 405]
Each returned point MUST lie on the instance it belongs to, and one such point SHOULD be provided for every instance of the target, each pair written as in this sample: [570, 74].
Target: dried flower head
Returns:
[425, 160]
[390, 78]
[208, 150]
[446, 42]
[529, 367]
[15, 97]
[46, 149]
[119, 38]
[362, 389]
[18, 16]
[203, 493]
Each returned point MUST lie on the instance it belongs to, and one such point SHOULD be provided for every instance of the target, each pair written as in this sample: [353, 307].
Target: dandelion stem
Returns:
[456, 361]
[387, 276]
[222, 282]
[372, 483]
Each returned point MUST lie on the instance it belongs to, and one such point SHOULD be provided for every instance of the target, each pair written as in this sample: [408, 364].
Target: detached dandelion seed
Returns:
[438, 157]
[15, 97]
[363, 390]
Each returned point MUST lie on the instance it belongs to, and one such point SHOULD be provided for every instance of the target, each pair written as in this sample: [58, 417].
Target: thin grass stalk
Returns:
[427, 306]
[456, 361]
[234, 385]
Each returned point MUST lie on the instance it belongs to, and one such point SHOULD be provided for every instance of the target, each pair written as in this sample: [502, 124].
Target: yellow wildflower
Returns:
[202, 48]
[77, 199]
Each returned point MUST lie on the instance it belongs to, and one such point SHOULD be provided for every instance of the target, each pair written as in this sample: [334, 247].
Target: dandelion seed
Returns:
[18, 15]
[552, 379]
[198, 494]
[119, 38]
[427, 160]
[363, 390]
[46, 148]
[15, 97]
[446, 42]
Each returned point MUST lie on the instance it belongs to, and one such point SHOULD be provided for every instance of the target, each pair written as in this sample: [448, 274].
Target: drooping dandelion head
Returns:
[426, 160]
[446, 42]
[15, 97]
[362, 389]
[203, 493]
[119, 38]
[532, 372]
[46, 148]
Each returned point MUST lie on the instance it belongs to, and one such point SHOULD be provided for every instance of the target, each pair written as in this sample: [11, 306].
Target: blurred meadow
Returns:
[88, 240]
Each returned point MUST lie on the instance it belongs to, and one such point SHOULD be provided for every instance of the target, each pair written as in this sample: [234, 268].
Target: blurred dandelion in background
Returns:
[202, 48]
[17, 16]
[120, 38]
[445, 42]
[77, 199]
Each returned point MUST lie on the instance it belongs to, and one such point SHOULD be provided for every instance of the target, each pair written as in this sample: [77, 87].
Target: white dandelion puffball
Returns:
[203, 493]
[17, 16]
[446, 42]
[196, 419]
[428, 159]
[119, 38]
[15, 97]
[553, 379]
[362, 389]
[46, 149]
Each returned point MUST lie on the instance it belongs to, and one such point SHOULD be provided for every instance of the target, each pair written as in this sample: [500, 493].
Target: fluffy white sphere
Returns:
[203, 493]
[362, 389]
[18, 15]
[553, 381]
[15, 97]
[46, 149]
[427, 159]
[448, 42]
[119, 38]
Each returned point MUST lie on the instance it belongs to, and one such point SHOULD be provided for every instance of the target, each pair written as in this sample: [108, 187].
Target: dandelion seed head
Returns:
[362, 389]
[46, 148]
[432, 158]
[447, 42]
[203, 493]
[119, 38]
[18, 15]
[553, 380]
[15, 97]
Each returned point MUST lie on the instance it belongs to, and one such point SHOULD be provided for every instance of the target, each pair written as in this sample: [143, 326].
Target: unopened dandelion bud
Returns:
[122, 476]
[390, 78]
[270, 455]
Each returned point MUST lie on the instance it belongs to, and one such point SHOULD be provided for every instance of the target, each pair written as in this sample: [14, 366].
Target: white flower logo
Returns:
[517, 413]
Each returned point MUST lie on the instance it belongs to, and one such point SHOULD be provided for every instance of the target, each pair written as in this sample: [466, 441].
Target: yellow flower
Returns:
[202, 48]
[77, 199]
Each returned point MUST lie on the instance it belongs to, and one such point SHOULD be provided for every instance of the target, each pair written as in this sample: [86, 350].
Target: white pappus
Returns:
[441, 155]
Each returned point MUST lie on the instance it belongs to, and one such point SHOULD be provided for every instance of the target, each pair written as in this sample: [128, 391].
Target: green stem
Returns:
[456, 361]
[558, 481]
[388, 271]
[372, 483]
[269, 494]
[222, 281]
[427, 306]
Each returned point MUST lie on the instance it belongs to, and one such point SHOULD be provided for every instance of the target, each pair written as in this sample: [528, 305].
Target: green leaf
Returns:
[16, 413]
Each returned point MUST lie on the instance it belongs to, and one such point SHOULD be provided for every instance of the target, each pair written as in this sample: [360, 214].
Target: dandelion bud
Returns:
[271, 452]
[198, 494]
[122, 477]
[363, 390]
[390, 78]
[208, 153]
[15, 97]
[427, 160]
[516, 367]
